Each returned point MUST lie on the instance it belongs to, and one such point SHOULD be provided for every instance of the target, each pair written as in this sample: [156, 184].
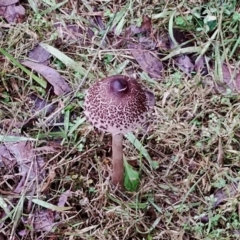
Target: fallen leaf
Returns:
[25, 158]
[231, 77]
[201, 65]
[39, 221]
[146, 26]
[68, 32]
[229, 191]
[162, 42]
[13, 13]
[40, 104]
[147, 61]
[148, 43]
[51, 176]
[184, 64]
[21, 155]
[228, 78]
[7, 2]
[39, 54]
[98, 19]
[6, 160]
[73, 32]
[184, 61]
[63, 198]
[59, 84]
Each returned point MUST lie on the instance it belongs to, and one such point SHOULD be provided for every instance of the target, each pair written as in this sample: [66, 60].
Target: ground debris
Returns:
[63, 198]
[146, 27]
[184, 63]
[42, 220]
[41, 104]
[21, 155]
[39, 54]
[59, 84]
[227, 77]
[73, 32]
[8, 2]
[147, 60]
[12, 12]
[222, 195]
[231, 76]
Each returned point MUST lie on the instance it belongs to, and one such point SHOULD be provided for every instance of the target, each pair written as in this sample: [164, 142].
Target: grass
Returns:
[193, 133]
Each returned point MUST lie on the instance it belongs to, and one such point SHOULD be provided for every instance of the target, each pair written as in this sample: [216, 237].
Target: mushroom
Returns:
[118, 105]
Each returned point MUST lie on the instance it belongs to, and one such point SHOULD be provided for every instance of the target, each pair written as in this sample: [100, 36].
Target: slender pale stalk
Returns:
[117, 159]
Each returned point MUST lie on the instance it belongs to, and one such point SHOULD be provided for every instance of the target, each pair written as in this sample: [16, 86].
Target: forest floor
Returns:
[182, 171]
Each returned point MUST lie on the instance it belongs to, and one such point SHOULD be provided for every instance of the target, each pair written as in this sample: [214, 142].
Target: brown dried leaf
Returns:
[40, 221]
[184, 64]
[148, 62]
[6, 160]
[39, 104]
[59, 84]
[148, 43]
[222, 195]
[73, 32]
[7, 2]
[63, 198]
[201, 65]
[24, 156]
[21, 154]
[69, 32]
[162, 41]
[13, 13]
[39, 55]
[51, 176]
[145, 27]
[231, 78]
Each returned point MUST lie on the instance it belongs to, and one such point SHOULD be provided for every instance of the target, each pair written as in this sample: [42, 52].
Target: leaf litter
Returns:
[59, 84]
[147, 50]
[147, 61]
[12, 12]
[39, 54]
[30, 168]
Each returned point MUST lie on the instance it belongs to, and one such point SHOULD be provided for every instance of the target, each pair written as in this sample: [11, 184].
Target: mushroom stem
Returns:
[117, 159]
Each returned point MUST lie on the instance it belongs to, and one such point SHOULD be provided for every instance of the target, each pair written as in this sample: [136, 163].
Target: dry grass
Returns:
[193, 133]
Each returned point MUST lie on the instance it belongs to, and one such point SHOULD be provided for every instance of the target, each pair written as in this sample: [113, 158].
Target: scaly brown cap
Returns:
[117, 104]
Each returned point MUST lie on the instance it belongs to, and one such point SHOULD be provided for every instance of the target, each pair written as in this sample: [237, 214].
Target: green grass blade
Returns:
[138, 145]
[33, 5]
[29, 73]
[131, 177]
[66, 60]
[50, 206]
[79, 121]
[54, 7]
[15, 139]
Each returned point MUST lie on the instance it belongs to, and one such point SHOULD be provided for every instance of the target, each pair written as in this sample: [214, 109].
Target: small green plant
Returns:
[131, 177]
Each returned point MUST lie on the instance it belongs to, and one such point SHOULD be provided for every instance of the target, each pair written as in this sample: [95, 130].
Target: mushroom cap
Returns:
[117, 104]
